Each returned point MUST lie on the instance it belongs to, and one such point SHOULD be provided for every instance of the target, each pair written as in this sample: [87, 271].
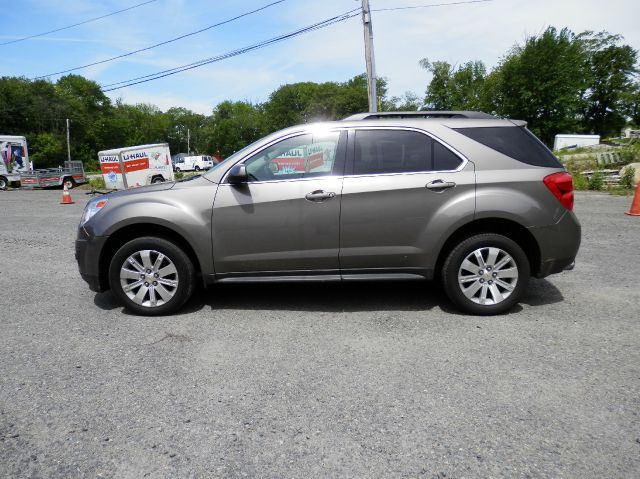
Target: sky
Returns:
[456, 33]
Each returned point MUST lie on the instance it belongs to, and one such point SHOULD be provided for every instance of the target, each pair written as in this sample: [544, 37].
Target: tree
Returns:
[233, 126]
[455, 89]
[439, 92]
[47, 150]
[610, 70]
[183, 122]
[541, 82]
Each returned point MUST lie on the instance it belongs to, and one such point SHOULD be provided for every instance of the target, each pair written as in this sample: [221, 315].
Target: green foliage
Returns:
[580, 182]
[627, 177]
[596, 182]
[47, 150]
[97, 183]
[558, 82]
[451, 89]
[233, 126]
[610, 70]
[540, 82]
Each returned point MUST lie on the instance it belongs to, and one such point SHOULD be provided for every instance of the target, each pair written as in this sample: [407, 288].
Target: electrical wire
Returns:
[429, 5]
[224, 22]
[77, 24]
[172, 71]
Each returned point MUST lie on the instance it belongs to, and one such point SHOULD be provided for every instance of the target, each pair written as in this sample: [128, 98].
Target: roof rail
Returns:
[419, 114]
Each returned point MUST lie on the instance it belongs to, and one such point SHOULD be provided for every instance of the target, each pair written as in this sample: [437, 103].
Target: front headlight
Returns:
[92, 208]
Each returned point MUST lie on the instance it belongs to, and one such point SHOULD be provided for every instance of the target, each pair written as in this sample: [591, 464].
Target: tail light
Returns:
[561, 185]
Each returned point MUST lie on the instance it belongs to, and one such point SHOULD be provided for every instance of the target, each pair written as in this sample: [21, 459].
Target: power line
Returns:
[429, 5]
[162, 43]
[172, 71]
[77, 24]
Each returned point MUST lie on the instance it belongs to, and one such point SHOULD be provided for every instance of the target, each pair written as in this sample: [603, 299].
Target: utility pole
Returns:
[188, 141]
[369, 56]
[68, 143]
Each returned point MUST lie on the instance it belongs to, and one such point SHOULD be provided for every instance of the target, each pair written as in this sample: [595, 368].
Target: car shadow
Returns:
[335, 297]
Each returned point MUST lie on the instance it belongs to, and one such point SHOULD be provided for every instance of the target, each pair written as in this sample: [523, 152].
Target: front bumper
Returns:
[559, 245]
[88, 253]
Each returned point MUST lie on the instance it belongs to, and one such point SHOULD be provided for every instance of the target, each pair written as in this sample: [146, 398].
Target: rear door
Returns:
[285, 219]
[402, 191]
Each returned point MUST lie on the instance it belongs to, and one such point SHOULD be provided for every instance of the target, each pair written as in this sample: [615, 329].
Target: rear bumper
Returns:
[88, 251]
[559, 245]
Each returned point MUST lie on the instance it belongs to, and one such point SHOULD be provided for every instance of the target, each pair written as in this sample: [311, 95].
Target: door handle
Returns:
[439, 185]
[318, 196]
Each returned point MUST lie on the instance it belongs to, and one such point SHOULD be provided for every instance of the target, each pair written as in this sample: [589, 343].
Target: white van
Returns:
[133, 166]
[14, 158]
[193, 163]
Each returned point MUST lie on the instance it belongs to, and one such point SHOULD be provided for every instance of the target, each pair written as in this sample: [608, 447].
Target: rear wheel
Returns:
[151, 276]
[486, 274]
[3, 183]
[157, 179]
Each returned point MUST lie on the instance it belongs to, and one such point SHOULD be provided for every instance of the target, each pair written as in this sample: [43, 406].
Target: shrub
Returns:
[97, 183]
[627, 177]
[580, 182]
[596, 182]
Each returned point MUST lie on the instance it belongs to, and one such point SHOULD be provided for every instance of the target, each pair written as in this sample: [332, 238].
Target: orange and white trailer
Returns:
[124, 168]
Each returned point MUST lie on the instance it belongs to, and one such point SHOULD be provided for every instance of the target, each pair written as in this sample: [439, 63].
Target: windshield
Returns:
[230, 160]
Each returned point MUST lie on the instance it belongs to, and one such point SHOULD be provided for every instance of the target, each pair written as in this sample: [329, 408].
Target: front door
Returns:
[285, 219]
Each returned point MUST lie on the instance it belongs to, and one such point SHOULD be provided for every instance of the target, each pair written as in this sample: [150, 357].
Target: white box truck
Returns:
[193, 163]
[14, 159]
[124, 168]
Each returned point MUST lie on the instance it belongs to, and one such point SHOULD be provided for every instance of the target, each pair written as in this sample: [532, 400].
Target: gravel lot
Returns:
[369, 380]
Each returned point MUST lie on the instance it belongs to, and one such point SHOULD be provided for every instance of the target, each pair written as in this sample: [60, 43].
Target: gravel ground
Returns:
[365, 380]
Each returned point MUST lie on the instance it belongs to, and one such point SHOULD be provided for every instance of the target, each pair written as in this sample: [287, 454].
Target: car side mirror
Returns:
[237, 175]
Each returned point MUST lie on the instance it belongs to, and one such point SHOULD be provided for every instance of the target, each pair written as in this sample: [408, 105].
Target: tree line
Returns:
[558, 81]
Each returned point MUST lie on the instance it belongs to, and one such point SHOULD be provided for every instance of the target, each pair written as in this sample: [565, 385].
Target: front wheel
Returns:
[197, 168]
[151, 276]
[3, 183]
[486, 274]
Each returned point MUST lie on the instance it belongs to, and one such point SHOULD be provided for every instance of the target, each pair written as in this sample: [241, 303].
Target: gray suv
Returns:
[476, 201]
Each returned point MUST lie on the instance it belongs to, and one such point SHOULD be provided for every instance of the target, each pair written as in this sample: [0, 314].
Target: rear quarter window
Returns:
[514, 141]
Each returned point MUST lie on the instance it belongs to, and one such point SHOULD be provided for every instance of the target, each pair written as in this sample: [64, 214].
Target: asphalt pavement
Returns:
[327, 381]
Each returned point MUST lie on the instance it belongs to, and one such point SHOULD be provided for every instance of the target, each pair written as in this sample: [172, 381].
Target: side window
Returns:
[391, 151]
[298, 157]
[444, 159]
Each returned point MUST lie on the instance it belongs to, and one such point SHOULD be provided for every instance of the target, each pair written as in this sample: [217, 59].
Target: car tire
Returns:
[486, 274]
[157, 179]
[177, 170]
[3, 183]
[147, 283]
[197, 168]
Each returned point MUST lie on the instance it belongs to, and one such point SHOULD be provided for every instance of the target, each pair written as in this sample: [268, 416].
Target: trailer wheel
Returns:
[69, 183]
[3, 183]
[157, 179]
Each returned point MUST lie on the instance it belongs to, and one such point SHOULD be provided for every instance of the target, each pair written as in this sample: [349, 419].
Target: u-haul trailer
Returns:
[124, 168]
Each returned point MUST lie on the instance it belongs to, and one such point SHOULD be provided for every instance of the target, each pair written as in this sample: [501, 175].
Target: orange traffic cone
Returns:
[635, 205]
[66, 197]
